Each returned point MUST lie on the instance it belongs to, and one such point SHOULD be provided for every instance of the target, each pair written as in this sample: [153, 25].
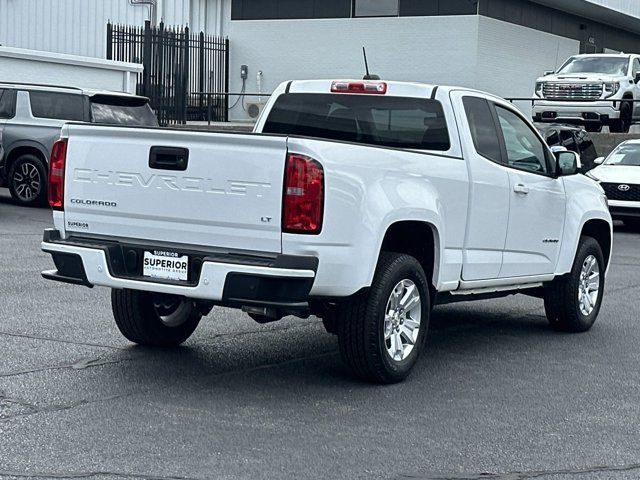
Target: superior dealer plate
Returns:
[167, 265]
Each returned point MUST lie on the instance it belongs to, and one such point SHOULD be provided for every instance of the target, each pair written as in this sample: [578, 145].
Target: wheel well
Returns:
[415, 239]
[601, 232]
[20, 151]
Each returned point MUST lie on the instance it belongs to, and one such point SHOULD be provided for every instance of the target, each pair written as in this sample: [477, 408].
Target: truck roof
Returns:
[393, 88]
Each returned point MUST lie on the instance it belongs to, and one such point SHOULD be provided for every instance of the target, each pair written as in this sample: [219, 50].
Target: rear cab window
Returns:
[396, 122]
[122, 110]
[58, 106]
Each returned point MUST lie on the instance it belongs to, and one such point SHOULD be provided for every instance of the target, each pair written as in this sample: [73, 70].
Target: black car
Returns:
[573, 138]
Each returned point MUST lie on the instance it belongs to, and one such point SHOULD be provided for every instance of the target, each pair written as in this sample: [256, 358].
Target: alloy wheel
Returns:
[27, 182]
[589, 286]
[402, 320]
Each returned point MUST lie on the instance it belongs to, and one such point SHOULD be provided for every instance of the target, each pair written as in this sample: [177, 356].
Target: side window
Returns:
[59, 106]
[483, 128]
[636, 67]
[524, 149]
[7, 103]
[568, 140]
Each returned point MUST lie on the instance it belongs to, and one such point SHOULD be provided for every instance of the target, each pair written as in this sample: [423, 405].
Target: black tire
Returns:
[623, 124]
[561, 297]
[24, 173]
[139, 317]
[360, 322]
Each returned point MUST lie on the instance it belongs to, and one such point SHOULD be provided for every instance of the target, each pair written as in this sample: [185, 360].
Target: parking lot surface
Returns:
[497, 394]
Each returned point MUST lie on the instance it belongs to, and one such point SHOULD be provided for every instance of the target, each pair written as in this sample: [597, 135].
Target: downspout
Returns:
[153, 8]
[219, 23]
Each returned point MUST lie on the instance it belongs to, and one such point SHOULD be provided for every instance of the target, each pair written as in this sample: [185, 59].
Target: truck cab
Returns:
[593, 90]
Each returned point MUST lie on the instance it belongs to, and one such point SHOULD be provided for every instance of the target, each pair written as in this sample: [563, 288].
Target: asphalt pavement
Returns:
[496, 395]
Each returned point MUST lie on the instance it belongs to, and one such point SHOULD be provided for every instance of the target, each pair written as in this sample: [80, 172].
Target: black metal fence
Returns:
[176, 64]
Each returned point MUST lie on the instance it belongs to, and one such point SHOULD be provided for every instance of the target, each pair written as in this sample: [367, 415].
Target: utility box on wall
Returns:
[19, 65]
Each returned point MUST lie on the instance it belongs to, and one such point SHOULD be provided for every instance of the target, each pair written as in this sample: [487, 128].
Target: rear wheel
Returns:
[623, 124]
[382, 332]
[154, 319]
[572, 302]
[27, 181]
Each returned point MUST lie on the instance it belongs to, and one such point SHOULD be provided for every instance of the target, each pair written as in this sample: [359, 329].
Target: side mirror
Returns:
[637, 79]
[549, 72]
[568, 163]
[599, 161]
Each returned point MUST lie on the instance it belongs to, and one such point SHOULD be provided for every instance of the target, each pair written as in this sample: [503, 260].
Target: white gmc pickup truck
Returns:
[361, 202]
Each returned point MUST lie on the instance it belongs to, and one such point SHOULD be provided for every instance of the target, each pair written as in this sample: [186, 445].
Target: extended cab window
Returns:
[59, 106]
[7, 103]
[483, 128]
[122, 110]
[399, 122]
[524, 148]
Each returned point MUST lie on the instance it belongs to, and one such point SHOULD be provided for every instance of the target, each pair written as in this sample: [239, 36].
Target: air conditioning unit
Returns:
[254, 109]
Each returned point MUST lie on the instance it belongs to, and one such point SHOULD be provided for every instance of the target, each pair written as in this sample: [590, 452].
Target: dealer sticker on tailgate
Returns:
[166, 265]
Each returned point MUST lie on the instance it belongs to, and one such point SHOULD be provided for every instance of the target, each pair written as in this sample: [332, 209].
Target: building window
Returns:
[375, 8]
[438, 7]
[289, 9]
[292, 9]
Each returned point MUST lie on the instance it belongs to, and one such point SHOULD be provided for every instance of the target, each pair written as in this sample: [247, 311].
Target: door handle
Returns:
[520, 188]
[168, 158]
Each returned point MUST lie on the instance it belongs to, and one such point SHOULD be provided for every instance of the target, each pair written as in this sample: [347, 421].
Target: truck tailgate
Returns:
[196, 188]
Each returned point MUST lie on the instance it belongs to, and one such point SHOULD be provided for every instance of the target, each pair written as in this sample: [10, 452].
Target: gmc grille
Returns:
[573, 91]
[613, 192]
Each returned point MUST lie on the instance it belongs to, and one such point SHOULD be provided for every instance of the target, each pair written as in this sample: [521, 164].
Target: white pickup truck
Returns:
[593, 90]
[361, 202]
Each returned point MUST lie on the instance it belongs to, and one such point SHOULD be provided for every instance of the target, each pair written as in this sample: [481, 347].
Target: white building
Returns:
[496, 45]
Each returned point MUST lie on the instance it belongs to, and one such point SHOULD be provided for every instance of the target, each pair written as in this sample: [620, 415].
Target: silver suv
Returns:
[31, 117]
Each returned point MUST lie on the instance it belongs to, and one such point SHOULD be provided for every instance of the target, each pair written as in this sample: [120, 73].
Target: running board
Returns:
[496, 289]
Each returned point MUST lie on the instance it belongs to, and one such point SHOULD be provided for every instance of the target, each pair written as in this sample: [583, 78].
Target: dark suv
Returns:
[573, 138]
[31, 117]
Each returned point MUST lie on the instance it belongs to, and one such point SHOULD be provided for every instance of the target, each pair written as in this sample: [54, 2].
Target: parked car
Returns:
[31, 117]
[619, 176]
[364, 203]
[573, 138]
[591, 90]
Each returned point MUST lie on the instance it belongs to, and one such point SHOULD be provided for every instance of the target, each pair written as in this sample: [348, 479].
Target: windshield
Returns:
[119, 110]
[606, 65]
[625, 156]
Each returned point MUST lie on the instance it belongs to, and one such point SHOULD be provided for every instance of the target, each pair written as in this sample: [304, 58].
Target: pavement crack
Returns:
[71, 342]
[92, 474]
[527, 475]
[34, 409]
[79, 365]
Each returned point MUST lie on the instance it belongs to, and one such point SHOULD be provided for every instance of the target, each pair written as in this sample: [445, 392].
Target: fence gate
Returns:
[183, 72]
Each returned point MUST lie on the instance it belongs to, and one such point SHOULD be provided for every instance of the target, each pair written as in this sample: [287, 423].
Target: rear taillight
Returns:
[303, 196]
[377, 88]
[56, 174]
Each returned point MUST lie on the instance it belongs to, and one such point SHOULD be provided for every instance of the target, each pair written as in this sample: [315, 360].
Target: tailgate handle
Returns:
[169, 158]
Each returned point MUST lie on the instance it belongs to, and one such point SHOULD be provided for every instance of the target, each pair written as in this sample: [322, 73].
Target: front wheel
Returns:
[572, 302]
[154, 319]
[382, 332]
[623, 124]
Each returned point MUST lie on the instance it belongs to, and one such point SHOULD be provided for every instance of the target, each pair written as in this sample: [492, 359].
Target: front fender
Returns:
[585, 202]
